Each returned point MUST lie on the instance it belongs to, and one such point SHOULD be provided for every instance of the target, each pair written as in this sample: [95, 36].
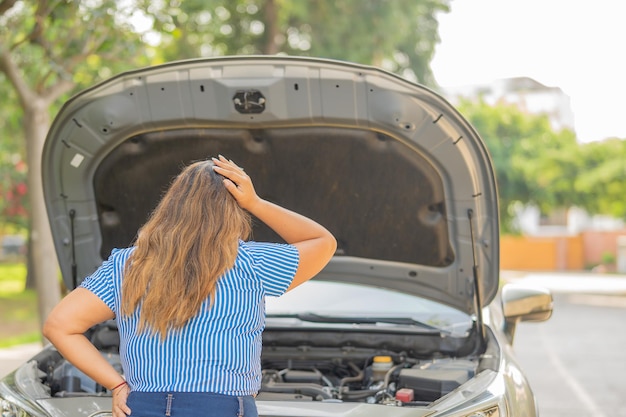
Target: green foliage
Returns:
[13, 169]
[608, 258]
[81, 42]
[18, 307]
[603, 177]
[12, 278]
[398, 35]
[536, 165]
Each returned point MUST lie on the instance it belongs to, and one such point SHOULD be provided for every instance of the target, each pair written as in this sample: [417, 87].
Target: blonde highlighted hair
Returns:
[189, 241]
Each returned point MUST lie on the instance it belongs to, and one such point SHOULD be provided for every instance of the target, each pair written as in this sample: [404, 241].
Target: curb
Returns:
[571, 282]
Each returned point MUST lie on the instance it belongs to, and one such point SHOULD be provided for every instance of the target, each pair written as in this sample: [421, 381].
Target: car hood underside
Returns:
[389, 167]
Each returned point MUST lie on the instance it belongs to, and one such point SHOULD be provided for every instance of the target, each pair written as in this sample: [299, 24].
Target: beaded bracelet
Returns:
[117, 386]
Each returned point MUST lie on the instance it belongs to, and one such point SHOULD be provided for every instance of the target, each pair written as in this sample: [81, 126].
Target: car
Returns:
[409, 318]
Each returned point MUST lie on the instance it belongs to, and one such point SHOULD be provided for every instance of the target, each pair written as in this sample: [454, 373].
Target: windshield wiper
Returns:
[316, 318]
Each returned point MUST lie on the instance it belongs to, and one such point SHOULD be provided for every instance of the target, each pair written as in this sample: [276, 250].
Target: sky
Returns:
[576, 45]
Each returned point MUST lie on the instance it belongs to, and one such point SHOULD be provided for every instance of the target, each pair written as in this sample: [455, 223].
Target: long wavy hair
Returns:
[189, 241]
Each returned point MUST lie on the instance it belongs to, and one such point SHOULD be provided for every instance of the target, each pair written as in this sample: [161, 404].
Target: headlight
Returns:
[12, 405]
[8, 409]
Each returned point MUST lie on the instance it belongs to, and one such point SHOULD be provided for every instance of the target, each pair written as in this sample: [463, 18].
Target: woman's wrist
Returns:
[254, 205]
[121, 384]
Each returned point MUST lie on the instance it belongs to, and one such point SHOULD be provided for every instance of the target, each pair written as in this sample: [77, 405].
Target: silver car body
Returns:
[390, 167]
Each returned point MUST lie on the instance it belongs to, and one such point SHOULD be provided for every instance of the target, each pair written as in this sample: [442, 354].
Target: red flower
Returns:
[21, 188]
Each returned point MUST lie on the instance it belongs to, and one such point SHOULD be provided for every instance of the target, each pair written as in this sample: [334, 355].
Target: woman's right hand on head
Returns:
[315, 244]
[237, 182]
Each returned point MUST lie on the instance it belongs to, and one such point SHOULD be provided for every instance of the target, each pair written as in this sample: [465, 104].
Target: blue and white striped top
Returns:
[219, 349]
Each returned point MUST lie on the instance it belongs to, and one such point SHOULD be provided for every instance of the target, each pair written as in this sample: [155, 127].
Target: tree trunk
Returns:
[43, 256]
[271, 28]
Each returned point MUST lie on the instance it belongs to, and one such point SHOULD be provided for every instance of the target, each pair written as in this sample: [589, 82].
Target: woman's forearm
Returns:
[289, 225]
[315, 244]
[65, 328]
[78, 350]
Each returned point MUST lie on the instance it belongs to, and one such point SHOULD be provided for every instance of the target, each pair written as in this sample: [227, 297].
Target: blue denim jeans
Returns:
[190, 404]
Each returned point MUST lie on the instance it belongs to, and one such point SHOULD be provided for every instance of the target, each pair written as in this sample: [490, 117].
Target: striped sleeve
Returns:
[275, 264]
[102, 281]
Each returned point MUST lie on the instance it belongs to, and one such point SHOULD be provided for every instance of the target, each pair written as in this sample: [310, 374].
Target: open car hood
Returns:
[390, 167]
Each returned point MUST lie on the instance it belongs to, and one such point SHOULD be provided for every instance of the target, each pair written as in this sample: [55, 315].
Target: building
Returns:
[529, 95]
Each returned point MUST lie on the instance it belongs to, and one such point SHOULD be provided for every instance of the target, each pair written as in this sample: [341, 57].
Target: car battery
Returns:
[431, 384]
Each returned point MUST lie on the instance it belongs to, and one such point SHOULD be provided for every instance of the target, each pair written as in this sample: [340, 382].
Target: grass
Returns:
[19, 321]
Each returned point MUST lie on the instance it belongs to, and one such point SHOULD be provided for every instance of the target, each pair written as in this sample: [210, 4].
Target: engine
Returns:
[383, 378]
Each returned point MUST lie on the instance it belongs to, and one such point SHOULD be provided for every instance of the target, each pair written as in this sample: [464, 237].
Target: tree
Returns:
[533, 163]
[602, 177]
[45, 52]
[398, 35]
[13, 169]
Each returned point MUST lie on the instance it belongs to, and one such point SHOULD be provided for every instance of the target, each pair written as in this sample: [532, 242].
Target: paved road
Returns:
[575, 361]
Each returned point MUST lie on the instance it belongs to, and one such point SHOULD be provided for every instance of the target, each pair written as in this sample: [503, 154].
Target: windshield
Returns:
[316, 300]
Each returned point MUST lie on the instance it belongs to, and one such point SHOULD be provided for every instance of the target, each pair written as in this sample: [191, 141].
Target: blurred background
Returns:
[540, 80]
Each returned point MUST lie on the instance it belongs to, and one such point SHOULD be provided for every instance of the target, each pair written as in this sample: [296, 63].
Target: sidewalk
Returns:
[571, 282]
[11, 358]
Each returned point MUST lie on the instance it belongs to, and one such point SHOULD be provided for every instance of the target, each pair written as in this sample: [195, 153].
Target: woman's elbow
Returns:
[331, 245]
[52, 328]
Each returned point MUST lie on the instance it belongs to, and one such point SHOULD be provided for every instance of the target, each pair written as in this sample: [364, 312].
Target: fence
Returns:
[560, 253]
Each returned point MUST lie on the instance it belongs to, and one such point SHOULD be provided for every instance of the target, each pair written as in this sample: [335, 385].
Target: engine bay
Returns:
[342, 373]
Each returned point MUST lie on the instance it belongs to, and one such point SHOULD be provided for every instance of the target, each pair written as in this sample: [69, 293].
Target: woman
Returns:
[189, 297]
